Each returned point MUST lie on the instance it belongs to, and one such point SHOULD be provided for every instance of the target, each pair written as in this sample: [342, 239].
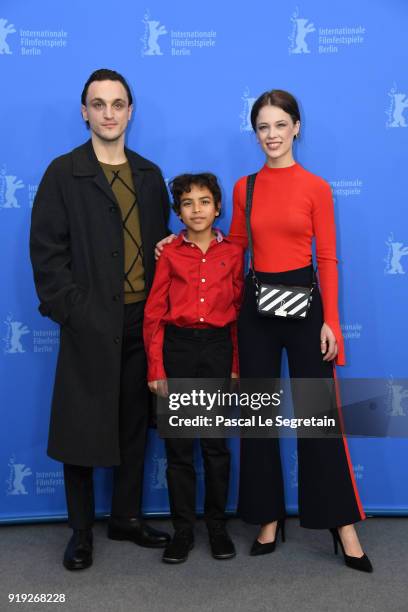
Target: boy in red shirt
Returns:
[190, 332]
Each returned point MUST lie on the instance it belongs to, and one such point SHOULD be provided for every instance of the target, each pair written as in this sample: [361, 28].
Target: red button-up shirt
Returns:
[193, 289]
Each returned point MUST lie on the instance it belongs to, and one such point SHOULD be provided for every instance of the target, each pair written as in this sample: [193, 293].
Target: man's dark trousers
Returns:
[133, 421]
[197, 353]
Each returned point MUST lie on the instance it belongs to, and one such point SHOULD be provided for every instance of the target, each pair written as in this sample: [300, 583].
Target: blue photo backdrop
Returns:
[195, 70]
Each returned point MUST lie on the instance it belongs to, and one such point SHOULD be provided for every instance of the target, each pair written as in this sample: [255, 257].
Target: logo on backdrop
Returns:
[153, 30]
[11, 194]
[32, 42]
[5, 30]
[158, 479]
[301, 28]
[346, 187]
[245, 116]
[396, 251]
[17, 474]
[395, 111]
[397, 394]
[9, 185]
[41, 341]
[329, 40]
[358, 471]
[14, 334]
[182, 42]
[351, 331]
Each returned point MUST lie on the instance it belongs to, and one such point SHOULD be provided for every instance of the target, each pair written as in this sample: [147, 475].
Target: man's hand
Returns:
[159, 246]
[328, 343]
[159, 387]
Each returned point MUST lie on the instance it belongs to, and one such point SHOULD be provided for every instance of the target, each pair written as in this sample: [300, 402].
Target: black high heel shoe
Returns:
[359, 563]
[263, 549]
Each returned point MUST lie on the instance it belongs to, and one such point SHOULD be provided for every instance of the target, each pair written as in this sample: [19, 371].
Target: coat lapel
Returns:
[85, 163]
[101, 182]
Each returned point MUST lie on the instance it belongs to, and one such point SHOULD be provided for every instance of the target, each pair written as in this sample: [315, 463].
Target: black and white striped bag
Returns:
[276, 300]
[283, 301]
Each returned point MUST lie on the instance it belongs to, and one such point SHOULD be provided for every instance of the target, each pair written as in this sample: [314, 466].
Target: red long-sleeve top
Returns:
[291, 206]
[193, 289]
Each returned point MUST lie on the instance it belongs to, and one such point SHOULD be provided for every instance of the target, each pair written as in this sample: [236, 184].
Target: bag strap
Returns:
[251, 178]
[248, 207]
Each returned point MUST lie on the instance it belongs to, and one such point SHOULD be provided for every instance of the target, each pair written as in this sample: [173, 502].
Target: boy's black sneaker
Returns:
[179, 547]
[222, 547]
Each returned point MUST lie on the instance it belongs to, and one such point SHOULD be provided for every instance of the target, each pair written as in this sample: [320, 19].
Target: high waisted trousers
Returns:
[327, 494]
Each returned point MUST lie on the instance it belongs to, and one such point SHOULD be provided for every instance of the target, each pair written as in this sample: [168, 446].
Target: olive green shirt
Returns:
[121, 181]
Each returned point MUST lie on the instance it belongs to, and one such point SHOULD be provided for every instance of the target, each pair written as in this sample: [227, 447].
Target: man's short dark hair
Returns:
[184, 182]
[104, 74]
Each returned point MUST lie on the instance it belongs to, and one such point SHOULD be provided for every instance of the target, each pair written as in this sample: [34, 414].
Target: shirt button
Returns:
[203, 280]
[117, 340]
[192, 246]
[203, 260]
[115, 253]
[201, 299]
[201, 319]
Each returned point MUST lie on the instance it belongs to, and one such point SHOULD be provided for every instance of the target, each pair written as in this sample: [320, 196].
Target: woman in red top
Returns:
[291, 206]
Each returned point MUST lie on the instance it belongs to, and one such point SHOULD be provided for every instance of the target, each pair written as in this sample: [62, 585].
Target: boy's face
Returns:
[198, 209]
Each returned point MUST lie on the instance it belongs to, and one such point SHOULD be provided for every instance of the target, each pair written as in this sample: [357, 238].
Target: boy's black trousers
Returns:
[327, 492]
[197, 353]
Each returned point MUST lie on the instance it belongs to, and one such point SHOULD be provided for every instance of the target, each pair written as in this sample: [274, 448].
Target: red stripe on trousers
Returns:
[346, 448]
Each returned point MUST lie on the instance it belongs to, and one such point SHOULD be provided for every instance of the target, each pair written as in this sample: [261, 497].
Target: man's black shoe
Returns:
[135, 530]
[178, 549]
[222, 547]
[78, 553]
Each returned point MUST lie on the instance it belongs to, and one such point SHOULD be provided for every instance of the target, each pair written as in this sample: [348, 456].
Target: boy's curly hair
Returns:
[183, 183]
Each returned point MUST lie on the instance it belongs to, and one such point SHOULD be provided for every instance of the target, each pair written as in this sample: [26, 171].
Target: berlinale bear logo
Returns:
[5, 30]
[396, 251]
[153, 30]
[301, 28]
[18, 471]
[395, 111]
[15, 331]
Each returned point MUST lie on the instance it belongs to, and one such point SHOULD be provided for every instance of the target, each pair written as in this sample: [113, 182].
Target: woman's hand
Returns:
[159, 387]
[234, 375]
[328, 343]
[159, 246]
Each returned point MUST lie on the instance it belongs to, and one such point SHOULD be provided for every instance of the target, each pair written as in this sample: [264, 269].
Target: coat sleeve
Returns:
[50, 250]
[157, 306]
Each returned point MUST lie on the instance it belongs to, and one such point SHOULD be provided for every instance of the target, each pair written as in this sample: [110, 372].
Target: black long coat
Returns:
[77, 253]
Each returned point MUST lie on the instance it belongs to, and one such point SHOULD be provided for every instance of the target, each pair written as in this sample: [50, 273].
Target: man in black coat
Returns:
[97, 215]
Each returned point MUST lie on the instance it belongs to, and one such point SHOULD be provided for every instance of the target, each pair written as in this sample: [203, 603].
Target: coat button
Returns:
[116, 297]
[115, 253]
[117, 340]
[112, 209]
